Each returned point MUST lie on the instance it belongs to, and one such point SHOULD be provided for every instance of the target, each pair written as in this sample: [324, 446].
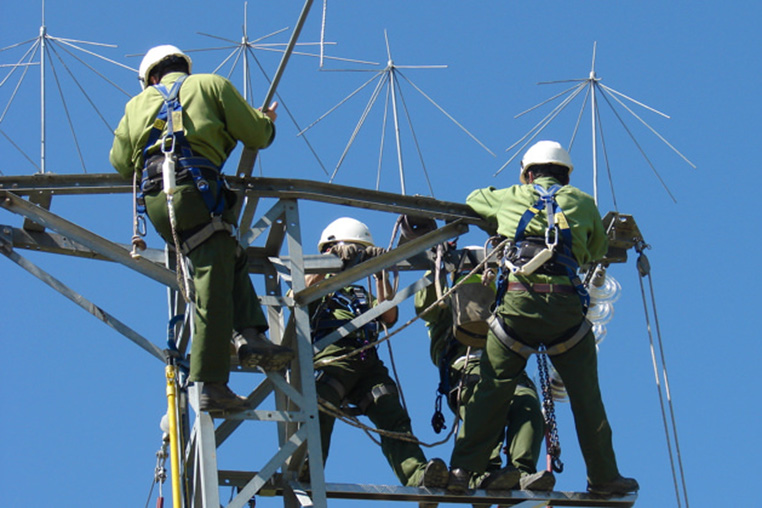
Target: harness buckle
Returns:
[532, 265]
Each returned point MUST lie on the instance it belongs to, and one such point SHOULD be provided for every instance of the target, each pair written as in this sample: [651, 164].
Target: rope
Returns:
[328, 361]
[138, 222]
[181, 270]
[644, 271]
[394, 370]
[329, 409]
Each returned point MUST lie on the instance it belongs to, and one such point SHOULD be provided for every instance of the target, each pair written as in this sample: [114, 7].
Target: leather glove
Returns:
[371, 252]
[347, 253]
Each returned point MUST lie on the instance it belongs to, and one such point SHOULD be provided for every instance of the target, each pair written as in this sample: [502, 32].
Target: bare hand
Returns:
[270, 112]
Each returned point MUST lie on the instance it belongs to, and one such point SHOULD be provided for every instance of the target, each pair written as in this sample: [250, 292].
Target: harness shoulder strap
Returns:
[170, 118]
[558, 224]
[167, 114]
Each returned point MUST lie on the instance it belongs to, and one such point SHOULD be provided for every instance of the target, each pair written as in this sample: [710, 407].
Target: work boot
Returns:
[457, 482]
[541, 480]
[217, 398]
[619, 486]
[435, 475]
[503, 479]
[255, 350]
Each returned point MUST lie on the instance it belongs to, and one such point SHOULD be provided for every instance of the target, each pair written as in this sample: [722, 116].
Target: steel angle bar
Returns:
[276, 301]
[265, 415]
[356, 197]
[313, 263]
[81, 301]
[373, 313]
[257, 187]
[76, 184]
[513, 498]
[274, 240]
[206, 482]
[302, 370]
[281, 384]
[268, 470]
[381, 262]
[43, 199]
[54, 243]
[96, 243]
[281, 269]
[226, 428]
[301, 497]
[263, 224]
[247, 217]
[531, 504]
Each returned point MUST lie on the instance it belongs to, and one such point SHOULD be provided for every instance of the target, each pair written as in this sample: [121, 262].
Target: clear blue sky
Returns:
[82, 404]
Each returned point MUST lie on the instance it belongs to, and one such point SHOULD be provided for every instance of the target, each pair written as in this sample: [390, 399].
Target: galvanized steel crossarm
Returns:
[59, 244]
[80, 300]
[112, 183]
[70, 184]
[355, 196]
[96, 243]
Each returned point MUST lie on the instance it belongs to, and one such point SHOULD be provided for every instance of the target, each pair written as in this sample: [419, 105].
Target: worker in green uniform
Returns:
[362, 380]
[554, 228]
[208, 117]
[459, 368]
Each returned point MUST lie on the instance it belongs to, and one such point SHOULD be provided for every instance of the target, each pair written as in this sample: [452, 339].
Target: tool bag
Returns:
[471, 306]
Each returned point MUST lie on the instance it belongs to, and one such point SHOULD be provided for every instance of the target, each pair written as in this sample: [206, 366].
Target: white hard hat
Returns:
[154, 56]
[345, 229]
[545, 152]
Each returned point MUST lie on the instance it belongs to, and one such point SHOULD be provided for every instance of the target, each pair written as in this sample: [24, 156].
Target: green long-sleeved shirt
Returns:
[503, 208]
[215, 118]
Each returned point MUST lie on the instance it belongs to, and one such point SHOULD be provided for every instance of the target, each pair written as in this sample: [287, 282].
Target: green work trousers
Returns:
[523, 425]
[538, 318]
[224, 296]
[358, 377]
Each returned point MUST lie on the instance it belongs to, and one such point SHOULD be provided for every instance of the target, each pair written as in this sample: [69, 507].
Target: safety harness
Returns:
[527, 255]
[177, 155]
[355, 300]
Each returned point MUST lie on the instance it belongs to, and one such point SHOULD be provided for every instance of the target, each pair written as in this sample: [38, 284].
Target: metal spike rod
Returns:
[47, 44]
[594, 88]
[246, 44]
[388, 79]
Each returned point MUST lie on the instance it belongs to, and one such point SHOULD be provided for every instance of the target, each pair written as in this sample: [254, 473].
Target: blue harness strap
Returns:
[563, 254]
[169, 118]
[354, 300]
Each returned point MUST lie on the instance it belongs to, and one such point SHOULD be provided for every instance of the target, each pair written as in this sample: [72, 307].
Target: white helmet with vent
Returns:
[345, 229]
[154, 57]
[545, 152]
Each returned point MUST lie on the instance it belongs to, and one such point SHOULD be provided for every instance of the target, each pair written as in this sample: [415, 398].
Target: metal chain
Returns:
[552, 443]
